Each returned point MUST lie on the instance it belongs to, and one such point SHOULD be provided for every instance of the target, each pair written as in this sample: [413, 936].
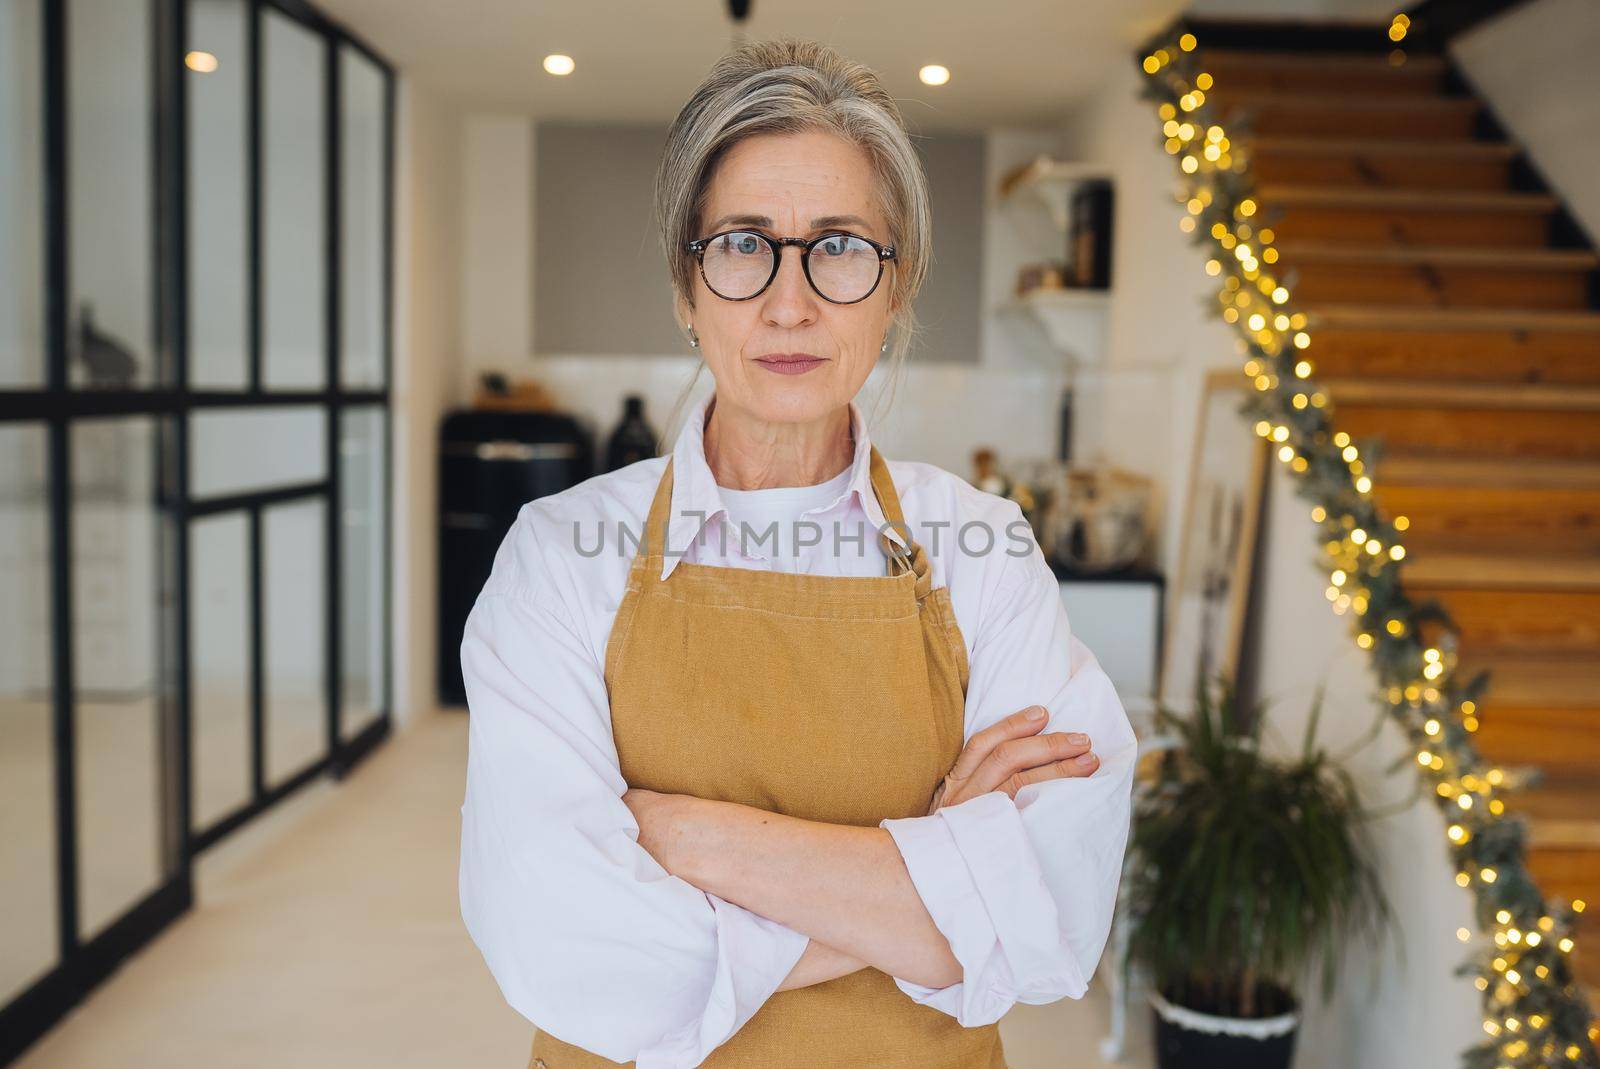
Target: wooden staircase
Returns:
[1453, 314]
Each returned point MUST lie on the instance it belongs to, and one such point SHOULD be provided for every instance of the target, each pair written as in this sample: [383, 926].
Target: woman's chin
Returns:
[794, 399]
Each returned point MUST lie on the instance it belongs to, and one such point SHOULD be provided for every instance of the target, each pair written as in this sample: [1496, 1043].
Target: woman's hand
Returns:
[1012, 754]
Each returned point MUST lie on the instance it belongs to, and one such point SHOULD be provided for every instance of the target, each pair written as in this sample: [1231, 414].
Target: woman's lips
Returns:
[790, 363]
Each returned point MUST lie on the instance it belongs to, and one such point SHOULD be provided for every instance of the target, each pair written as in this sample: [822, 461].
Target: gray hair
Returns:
[794, 86]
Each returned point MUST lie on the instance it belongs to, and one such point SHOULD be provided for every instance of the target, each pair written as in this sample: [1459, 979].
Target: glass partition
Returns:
[194, 530]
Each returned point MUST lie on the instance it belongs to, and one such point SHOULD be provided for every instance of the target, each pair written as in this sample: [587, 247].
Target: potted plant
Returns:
[1245, 870]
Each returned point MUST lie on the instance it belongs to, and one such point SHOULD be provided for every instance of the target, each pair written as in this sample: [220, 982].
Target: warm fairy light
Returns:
[200, 62]
[559, 65]
[934, 74]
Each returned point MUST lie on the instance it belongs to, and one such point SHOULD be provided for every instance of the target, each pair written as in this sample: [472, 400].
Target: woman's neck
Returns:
[745, 453]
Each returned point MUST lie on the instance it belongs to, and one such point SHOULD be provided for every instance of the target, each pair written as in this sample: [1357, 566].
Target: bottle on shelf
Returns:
[634, 439]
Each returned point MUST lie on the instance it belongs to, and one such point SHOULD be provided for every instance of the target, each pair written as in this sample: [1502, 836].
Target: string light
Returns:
[1534, 1014]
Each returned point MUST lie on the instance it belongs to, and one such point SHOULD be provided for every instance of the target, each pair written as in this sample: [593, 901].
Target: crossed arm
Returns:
[573, 900]
[846, 887]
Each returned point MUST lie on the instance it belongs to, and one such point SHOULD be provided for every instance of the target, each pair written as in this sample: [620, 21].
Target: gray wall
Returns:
[600, 285]
[1534, 65]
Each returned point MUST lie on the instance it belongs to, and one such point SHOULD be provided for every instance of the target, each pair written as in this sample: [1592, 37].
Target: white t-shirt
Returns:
[802, 529]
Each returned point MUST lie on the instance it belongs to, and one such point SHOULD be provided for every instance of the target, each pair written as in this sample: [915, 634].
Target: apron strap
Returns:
[655, 524]
[900, 559]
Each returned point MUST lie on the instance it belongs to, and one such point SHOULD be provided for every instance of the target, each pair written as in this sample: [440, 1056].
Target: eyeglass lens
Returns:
[844, 268]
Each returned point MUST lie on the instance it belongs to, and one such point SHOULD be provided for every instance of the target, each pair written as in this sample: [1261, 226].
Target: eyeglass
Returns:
[739, 265]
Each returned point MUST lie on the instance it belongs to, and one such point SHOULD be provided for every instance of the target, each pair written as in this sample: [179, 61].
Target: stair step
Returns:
[1575, 832]
[1416, 200]
[1424, 427]
[1552, 679]
[1426, 217]
[1441, 573]
[1375, 342]
[1555, 620]
[1466, 395]
[1365, 115]
[1459, 320]
[1512, 519]
[1563, 742]
[1569, 873]
[1515, 258]
[1586, 954]
[1380, 163]
[1440, 276]
[1476, 473]
[1250, 70]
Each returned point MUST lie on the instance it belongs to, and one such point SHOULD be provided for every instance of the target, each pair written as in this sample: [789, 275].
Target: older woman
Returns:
[748, 799]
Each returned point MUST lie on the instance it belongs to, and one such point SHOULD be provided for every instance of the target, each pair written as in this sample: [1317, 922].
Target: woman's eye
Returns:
[836, 245]
[743, 244]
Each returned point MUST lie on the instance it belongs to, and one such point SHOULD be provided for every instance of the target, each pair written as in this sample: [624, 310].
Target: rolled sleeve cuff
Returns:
[754, 956]
[975, 870]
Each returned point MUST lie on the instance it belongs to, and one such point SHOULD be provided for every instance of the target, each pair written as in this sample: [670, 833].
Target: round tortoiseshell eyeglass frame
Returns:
[699, 245]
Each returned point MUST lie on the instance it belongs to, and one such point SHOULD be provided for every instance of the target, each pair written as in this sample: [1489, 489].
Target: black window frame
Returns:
[58, 406]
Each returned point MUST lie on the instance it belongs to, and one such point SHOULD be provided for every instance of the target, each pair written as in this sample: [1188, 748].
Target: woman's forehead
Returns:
[811, 180]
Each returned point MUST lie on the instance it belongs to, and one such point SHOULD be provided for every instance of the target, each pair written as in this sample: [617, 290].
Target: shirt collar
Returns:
[696, 500]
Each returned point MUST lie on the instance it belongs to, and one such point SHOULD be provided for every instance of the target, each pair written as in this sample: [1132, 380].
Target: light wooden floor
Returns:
[328, 935]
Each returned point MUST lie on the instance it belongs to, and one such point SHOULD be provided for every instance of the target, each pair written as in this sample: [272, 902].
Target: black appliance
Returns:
[491, 463]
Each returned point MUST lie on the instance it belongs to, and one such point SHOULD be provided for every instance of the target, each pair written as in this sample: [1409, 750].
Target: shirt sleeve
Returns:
[1025, 891]
[584, 931]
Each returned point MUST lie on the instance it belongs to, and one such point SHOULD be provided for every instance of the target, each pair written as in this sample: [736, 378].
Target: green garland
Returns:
[1535, 1014]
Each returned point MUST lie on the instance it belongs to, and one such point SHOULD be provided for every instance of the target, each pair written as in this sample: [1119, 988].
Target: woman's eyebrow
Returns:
[764, 220]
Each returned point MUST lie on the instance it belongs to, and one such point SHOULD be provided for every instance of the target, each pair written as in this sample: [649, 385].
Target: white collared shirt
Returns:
[592, 940]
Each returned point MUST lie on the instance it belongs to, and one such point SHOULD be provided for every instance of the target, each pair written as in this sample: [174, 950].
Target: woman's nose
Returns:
[790, 295]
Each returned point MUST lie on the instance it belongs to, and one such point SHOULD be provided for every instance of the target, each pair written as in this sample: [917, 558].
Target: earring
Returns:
[885, 344]
[694, 339]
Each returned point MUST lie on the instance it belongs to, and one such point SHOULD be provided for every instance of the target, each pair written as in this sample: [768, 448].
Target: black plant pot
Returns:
[1189, 1039]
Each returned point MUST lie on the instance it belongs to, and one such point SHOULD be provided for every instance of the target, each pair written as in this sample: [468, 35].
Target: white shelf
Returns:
[1051, 182]
[1074, 320]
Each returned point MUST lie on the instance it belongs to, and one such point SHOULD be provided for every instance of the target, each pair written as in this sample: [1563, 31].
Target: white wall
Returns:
[496, 164]
[428, 335]
[1162, 340]
[1416, 1013]
[1535, 66]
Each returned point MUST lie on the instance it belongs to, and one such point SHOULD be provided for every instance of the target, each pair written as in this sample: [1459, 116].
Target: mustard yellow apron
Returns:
[831, 698]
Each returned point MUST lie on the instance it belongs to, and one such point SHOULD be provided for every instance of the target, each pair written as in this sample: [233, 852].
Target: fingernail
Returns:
[1077, 738]
[1086, 759]
[1036, 713]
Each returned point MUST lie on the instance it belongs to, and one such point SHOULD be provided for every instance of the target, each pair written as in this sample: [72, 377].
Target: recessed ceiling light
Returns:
[933, 74]
[203, 62]
[559, 64]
